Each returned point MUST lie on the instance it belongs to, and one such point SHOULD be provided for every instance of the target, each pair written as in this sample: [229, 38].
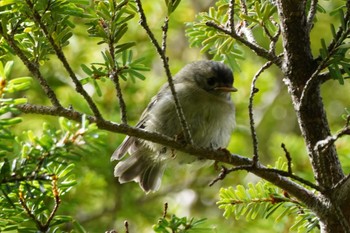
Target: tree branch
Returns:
[254, 90]
[316, 79]
[247, 31]
[254, 47]
[324, 144]
[298, 67]
[279, 179]
[57, 200]
[114, 72]
[311, 14]
[32, 67]
[59, 53]
[231, 18]
[288, 157]
[115, 78]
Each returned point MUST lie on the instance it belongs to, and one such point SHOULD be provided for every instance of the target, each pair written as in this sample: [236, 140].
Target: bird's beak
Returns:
[226, 89]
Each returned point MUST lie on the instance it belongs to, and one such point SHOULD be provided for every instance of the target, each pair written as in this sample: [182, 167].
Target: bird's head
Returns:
[214, 77]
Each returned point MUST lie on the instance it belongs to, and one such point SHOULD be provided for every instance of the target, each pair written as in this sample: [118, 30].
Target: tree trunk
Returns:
[298, 68]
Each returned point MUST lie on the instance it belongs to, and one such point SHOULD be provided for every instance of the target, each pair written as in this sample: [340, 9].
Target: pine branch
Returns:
[254, 47]
[32, 67]
[59, 53]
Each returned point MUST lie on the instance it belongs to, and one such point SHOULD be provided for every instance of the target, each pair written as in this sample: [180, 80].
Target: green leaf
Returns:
[86, 70]
[7, 2]
[123, 47]
[8, 69]
[5, 169]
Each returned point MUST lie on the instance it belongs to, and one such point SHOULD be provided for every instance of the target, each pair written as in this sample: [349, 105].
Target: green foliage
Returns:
[8, 105]
[335, 56]
[261, 14]
[109, 24]
[176, 224]
[36, 171]
[222, 46]
[218, 44]
[265, 200]
[172, 5]
[39, 172]
[36, 26]
[40, 169]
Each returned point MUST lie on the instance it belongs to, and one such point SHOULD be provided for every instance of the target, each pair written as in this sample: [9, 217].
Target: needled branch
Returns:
[254, 47]
[78, 86]
[32, 67]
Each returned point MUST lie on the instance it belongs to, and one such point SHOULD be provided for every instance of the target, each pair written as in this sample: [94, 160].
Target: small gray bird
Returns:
[203, 89]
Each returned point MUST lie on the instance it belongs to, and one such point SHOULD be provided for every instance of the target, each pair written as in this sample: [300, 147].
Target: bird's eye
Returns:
[211, 81]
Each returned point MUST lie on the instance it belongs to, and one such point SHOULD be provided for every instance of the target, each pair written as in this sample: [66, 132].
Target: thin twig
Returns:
[231, 18]
[31, 177]
[126, 225]
[224, 172]
[59, 53]
[165, 60]
[32, 67]
[115, 78]
[260, 51]
[165, 211]
[114, 72]
[23, 203]
[43, 227]
[57, 202]
[311, 15]
[165, 34]
[316, 78]
[294, 177]
[254, 90]
[273, 38]
[324, 144]
[247, 31]
[288, 157]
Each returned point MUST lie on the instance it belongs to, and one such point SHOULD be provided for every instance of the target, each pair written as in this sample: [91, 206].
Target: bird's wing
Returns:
[131, 144]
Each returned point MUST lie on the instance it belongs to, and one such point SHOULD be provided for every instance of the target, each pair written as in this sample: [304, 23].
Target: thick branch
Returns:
[224, 156]
[298, 67]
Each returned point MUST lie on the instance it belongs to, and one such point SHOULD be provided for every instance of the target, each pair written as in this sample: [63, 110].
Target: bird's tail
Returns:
[141, 167]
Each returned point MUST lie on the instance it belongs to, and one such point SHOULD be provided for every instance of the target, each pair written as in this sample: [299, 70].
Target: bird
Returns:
[204, 91]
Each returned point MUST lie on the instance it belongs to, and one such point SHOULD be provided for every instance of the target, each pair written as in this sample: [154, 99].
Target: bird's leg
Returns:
[180, 137]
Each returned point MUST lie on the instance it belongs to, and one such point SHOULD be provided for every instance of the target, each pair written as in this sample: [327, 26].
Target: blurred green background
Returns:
[100, 203]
